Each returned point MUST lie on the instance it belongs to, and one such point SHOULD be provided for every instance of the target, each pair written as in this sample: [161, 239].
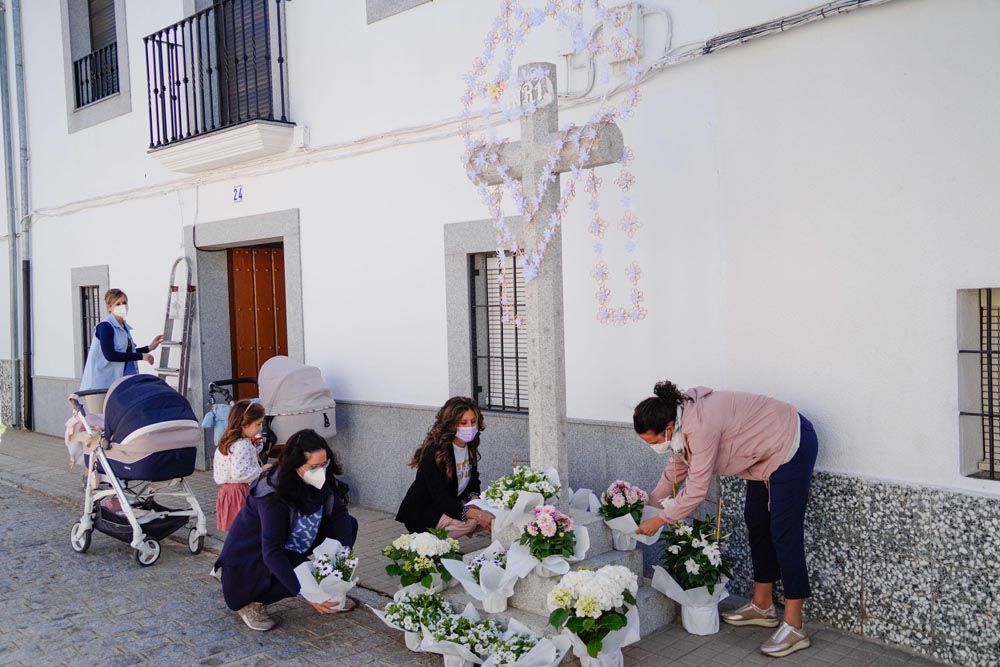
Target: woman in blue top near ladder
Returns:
[113, 353]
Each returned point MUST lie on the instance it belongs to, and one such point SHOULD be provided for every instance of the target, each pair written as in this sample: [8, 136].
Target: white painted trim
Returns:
[255, 139]
[159, 426]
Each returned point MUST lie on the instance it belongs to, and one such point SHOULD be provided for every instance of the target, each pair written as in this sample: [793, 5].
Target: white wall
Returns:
[811, 204]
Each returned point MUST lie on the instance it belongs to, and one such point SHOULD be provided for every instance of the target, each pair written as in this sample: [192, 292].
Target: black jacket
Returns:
[433, 494]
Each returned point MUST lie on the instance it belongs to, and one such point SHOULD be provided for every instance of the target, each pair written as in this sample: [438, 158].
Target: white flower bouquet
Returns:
[487, 577]
[417, 559]
[623, 507]
[597, 612]
[548, 544]
[412, 611]
[511, 498]
[519, 647]
[694, 574]
[329, 574]
[462, 640]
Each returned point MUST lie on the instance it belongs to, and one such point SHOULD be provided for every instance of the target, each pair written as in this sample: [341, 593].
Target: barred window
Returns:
[499, 359]
[982, 378]
[90, 315]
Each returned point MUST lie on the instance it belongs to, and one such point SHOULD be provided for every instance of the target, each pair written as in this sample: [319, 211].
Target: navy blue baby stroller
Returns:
[147, 447]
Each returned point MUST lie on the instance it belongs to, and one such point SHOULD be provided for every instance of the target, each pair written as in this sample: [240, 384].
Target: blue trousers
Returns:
[775, 519]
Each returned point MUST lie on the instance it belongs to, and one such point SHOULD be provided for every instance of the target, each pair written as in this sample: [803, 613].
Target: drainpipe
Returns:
[22, 142]
[12, 219]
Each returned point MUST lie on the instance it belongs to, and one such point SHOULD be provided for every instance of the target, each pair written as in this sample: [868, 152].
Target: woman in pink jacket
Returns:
[762, 440]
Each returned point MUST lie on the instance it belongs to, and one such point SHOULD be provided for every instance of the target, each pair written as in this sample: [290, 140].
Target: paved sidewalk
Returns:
[172, 613]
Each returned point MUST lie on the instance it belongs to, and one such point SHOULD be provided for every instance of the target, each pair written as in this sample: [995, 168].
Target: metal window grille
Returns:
[90, 314]
[499, 360]
[989, 365]
[989, 380]
[95, 76]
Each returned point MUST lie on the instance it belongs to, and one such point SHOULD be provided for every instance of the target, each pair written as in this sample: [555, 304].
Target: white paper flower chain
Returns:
[482, 153]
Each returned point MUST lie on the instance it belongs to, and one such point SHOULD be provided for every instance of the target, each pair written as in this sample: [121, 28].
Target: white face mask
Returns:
[661, 448]
[315, 477]
[121, 310]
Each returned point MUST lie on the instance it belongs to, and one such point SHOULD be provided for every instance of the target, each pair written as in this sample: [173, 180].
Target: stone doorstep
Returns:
[656, 611]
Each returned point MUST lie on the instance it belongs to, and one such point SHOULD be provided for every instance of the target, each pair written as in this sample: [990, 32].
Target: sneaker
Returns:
[787, 640]
[752, 615]
[256, 618]
[216, 573]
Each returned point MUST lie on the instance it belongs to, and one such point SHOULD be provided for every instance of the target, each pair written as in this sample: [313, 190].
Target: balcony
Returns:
[216, 86]
[95, 76]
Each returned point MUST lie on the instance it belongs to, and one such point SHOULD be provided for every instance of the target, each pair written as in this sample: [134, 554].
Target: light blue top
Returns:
[99, 373]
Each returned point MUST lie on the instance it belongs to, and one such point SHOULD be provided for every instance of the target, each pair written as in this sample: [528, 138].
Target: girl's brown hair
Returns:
[243, 414]
[442, 434]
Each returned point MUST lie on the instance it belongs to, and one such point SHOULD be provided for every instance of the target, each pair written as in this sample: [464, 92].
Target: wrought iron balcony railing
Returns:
[95, 76]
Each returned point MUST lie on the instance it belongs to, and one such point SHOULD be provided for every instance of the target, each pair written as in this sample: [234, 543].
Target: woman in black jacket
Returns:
[447, 480]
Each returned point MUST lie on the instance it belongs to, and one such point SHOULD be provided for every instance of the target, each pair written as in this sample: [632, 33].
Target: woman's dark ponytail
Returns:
[654, 413]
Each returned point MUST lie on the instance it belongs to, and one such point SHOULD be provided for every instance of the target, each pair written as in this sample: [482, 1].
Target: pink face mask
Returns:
[467, 433]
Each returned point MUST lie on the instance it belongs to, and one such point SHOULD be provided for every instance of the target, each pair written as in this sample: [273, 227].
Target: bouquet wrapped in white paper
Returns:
[511, 498]
[519, 647]
[417, 559]
[695, 574]
[623, 507]
[461, 640]
[548, 544]
[597, 612]
[329, 573]
[487, 577]
[411, 611]
[584, 500]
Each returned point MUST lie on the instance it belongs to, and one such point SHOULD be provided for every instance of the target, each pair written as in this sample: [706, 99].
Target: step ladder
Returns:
[177, 330]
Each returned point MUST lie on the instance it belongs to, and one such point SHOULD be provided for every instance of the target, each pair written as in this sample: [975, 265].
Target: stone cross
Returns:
[525, 160]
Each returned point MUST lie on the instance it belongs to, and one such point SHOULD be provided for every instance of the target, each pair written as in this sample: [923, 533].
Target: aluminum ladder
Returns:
[177, 329]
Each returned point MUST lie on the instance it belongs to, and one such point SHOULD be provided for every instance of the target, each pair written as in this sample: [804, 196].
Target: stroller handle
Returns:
[232, 381]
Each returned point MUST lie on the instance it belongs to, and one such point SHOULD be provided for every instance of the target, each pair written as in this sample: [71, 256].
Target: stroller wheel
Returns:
[149, 553]
[79, 539]
[196, 542]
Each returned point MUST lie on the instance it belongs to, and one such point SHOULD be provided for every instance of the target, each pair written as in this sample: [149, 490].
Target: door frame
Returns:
[211, 352]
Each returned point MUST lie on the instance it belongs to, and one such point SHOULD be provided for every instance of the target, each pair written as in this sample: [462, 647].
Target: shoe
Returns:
[752, 615]
[216, 573]
[256, 618]
[787, 640]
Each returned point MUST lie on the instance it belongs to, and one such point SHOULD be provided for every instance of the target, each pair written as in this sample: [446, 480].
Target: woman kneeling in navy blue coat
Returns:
[291, 509]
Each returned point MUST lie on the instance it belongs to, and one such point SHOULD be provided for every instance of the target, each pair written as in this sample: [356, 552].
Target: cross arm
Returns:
[607, 149]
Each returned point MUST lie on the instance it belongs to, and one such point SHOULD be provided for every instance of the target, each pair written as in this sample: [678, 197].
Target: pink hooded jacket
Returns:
[726, 433]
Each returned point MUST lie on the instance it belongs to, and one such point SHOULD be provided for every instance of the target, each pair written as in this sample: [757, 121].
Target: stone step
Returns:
[531, 592]
[656, 611]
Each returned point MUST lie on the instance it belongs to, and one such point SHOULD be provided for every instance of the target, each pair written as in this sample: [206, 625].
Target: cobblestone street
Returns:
[101, 608]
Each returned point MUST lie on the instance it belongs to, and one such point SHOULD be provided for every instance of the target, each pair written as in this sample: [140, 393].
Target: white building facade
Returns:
[819, 224]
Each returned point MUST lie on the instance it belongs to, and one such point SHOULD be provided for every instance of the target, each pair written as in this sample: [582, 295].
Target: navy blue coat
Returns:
[254, 563]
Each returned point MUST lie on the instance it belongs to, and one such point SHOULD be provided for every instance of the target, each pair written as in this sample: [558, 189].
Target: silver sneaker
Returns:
[785, 641]
[256, 618]
[751, 614]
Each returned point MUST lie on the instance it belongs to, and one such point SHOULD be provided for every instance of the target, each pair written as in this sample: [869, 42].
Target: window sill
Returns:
[251, 140]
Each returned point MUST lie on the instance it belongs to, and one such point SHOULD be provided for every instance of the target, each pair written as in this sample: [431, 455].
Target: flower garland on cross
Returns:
[612, 38]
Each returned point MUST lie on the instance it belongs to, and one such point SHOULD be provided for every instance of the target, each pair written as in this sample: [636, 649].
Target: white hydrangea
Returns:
[425, 544]
[402, 542]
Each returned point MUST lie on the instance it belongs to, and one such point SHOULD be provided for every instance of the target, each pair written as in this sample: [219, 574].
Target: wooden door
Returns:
[257, 318]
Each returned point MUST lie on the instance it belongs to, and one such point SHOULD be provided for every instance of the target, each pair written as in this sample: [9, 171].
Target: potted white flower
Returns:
[486, 577]
[417, 557]
[519, 647]
[462, 640]
[511, 498]
[411, 611]
[596, 611]
[329, 574]
[694, 573]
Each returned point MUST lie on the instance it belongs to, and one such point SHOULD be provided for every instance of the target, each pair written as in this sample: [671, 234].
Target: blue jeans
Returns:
[775, 518]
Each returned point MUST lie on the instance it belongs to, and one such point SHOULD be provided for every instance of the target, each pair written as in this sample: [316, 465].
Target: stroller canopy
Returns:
[290, 388]
[137, 403]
